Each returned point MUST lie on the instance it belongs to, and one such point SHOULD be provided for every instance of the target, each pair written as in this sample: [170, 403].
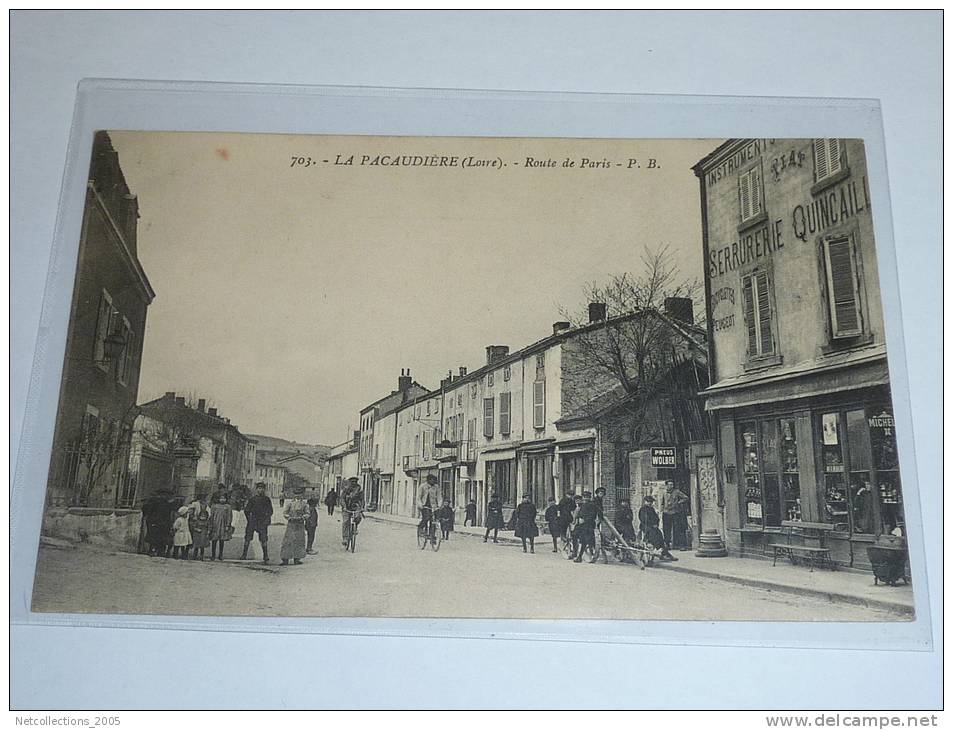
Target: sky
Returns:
[291, 292]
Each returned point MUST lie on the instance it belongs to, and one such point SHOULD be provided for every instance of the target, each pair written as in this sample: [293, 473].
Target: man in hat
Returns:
[648, 526]
[584, 533]
[566, 508]
[674, 504]
[428, 500]
[352, 505]
[258, 511]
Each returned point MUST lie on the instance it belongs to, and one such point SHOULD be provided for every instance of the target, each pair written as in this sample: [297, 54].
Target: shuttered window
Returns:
[125, 369]
[842, 288]
[750, 194]
[504, 414]
[827, 158]
[488, 417]
[539, 404]
[757, 304]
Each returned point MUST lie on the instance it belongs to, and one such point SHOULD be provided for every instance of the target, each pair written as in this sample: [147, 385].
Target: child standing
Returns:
[552, 520]
[445, 515]
[182, 539]
[198, 526]
[220, 523]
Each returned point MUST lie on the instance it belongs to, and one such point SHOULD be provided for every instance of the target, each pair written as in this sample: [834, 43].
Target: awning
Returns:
[792, 386]
[501, 455]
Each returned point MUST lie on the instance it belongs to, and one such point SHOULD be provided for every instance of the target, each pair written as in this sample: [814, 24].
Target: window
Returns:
[489, 380]
[428, 407]
[843, 288]
[417, 445]
[861, 481]
[770, 476]
[103, 328]
[539, 404]
[488, 417]
[90, 424]
[500, 481]
[426, 451]
[828, 154]
[124, 370]
[540, 365]
[752, 507]
[459, 400]
[539, 479]
[751, 194]
[504, 414]
[506, 373]
[757, 311]
[473, 390]
[577, 472]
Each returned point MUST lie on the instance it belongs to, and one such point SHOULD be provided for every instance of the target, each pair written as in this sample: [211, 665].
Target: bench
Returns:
[812, 554]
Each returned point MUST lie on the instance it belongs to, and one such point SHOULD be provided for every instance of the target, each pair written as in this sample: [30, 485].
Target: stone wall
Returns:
[114, 528]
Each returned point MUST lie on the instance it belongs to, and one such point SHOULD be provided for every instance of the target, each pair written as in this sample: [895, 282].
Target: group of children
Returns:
[199, 525]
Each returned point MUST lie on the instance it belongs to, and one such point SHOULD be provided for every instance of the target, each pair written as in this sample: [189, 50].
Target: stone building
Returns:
[104, 342]
[800, 391]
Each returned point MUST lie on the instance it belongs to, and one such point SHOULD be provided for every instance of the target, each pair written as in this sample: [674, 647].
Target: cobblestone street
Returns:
[388, 576]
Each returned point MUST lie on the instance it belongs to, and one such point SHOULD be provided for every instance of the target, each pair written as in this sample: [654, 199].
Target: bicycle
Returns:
[350, 538]
[428, 534]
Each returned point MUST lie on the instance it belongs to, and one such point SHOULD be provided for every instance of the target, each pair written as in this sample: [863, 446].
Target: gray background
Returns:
[890, 56]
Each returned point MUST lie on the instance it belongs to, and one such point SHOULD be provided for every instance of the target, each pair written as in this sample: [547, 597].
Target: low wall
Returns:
[115, 528]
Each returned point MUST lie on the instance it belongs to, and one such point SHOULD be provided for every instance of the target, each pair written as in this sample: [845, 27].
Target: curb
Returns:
[892, 606]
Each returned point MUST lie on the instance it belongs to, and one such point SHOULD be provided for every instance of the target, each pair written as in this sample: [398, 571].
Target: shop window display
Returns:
[751, 471]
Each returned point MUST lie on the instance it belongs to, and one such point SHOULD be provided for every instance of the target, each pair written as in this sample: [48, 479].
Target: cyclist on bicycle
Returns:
[427, 502]
[352, 505]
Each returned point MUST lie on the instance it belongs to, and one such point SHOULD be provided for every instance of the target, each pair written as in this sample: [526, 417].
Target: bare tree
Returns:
[641, 361]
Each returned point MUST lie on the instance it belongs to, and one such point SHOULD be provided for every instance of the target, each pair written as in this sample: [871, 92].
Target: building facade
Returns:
[800, 391]
[341, 465]
[100, 381]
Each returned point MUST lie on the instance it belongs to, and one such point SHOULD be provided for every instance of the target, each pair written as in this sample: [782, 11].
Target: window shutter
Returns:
[833, 156]
[539, 404]
[488, 417]
[820, 159]
[845, 317]
[102, 326]
[745, 194]
[755, 191]
[504, 413]
[764, 315]
[750, 318]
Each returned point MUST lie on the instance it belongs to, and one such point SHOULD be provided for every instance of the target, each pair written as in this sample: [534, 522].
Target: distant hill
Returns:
[273, 443]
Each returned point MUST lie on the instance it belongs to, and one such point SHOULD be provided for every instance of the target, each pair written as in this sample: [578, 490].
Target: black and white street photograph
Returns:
[476, 377]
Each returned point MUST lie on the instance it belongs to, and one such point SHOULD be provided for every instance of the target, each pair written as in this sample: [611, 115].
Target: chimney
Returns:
[680, 308]
[404, 381]
[213, 412]
[447, 380]
[463, 371]
[169, 395]
[495, 353]
[561, 327]
[180, 400]
[597, 311]
[357, 437]
[202, 405]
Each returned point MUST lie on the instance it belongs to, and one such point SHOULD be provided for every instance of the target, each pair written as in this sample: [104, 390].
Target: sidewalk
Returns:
[841, 586]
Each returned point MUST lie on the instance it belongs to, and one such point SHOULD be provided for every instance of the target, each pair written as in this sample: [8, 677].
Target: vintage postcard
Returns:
[459, 377]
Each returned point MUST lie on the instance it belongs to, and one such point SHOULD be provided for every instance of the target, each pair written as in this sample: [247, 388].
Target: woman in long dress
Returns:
[220, 524]
[294, 544]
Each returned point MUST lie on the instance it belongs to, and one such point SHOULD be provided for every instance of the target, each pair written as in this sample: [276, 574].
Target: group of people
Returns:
[580, 520]
[183, 530]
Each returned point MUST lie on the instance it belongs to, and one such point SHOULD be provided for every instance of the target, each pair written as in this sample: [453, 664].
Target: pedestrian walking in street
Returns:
[293, 545]
[672, 501]
[159, 514]
[584, 531]
[182, 538]
[258, 511]
[312, 524]
[471, 510]
[623, 523]
[551, 515]
[526, 528]
[199, 518]
[220, 523]
[648, 526]
[494, 517]
[445, 516]
[567, 507]
[331, 499]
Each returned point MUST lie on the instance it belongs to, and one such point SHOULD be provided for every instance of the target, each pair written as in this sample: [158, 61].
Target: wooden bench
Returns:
[813, 555]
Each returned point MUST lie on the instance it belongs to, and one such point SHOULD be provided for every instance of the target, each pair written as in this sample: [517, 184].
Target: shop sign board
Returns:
[663, 457]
